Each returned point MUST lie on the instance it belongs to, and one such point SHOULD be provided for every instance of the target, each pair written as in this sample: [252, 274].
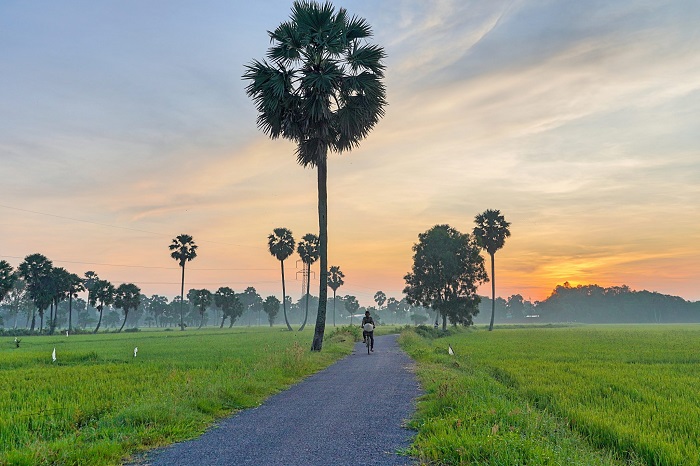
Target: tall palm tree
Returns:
[491, 231]
[308, 252]
[36, 272]
[379, 298]
[127, 297]
[101, 295]
[335, 281]
[7, 278]
[183, 250]
[323, 90]
[89, 281]
[281, 244]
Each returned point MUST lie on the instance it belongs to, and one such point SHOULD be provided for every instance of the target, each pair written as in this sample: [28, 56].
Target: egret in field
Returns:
[136, 350]
[53, 355]
[450, 351]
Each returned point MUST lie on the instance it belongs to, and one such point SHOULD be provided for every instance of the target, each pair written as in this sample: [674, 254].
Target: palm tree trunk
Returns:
[308, 289]
[493, 292]
[284, 299]
[333, 308]
[201, 322]
[70, 312]
[182, 297]
[323, 251]
[126, 314]
[99, 321]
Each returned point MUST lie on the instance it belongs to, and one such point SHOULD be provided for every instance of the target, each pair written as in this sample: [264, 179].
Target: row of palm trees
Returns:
[281, 244]
[47, 286]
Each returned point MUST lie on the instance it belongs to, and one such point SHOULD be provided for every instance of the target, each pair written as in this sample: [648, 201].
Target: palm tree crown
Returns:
[491, 230]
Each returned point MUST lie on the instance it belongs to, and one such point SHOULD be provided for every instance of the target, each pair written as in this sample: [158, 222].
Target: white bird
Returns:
[15, 339]
[53, 355]
[66, 332]
[136, 350]
[449, 350]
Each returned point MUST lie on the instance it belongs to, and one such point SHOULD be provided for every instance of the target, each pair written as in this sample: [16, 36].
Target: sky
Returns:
[125, 123]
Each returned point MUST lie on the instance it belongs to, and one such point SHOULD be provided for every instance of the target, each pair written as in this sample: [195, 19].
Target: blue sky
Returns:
[126, 123]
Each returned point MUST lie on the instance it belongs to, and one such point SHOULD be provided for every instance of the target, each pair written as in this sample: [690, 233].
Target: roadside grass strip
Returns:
[492, 404]
[97, 403]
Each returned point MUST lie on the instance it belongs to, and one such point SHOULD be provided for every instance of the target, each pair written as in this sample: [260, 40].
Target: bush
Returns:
[351, 332]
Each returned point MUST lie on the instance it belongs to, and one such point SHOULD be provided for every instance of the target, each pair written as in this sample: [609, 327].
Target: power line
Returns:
[148, 266]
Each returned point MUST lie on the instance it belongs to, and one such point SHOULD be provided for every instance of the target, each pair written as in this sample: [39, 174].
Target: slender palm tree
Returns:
[7, 278]
[335, 281]
[491, 231]
[379, 298]
[183, 250]
[323, 90]
[127, 297]
[281, 244]
[308, 252]
[101, 295]
[36, 272]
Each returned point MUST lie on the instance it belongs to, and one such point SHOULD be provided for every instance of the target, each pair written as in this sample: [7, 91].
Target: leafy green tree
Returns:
[491, 231]
[308, 252]
[101, 295]
[281, 244]
[8, 277]
[323, 90]
[19, 300]
[202, 299]
[335, 281]
[36, 272]
[271, 306]
[183, 250]
[351, 305]
[127, 298]
[226, 300]
[89, 280]
[447, 269]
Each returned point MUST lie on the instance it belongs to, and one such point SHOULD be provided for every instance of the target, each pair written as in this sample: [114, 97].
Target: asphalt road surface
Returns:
[351, 413]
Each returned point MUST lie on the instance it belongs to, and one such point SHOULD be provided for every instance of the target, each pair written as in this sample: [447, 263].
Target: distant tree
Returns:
[36, 272]
[308, 252]
[447, 269]
[75, 286]
[380, 299]
[351, 305]
[59, 284]
[112, 319]
[271, 306]
[419, 319]
[8, 277]
[281, 244]
[335, 281]
[323, 91]
[89, 280]
[19, 300]
[226, 300]
[127, 298]
[202, 300]
[183, 250]
[491, 231]
[102, 295]
[157, 306]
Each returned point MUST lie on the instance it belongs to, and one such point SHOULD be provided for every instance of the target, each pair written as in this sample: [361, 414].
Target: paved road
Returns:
[318, 422]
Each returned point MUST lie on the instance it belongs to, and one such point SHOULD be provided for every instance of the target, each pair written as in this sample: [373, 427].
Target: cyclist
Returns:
[368, 329]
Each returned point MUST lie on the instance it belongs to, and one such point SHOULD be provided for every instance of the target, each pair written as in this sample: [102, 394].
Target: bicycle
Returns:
[368, 328]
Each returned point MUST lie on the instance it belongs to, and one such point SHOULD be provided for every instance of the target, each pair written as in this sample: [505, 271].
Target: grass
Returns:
[97, 404]
[564, 396]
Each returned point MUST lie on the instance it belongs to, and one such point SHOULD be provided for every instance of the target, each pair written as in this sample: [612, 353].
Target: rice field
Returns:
[580, 395]
[98, 403]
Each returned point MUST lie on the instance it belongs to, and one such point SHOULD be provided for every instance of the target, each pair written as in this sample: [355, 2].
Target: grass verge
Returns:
[97, 403]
